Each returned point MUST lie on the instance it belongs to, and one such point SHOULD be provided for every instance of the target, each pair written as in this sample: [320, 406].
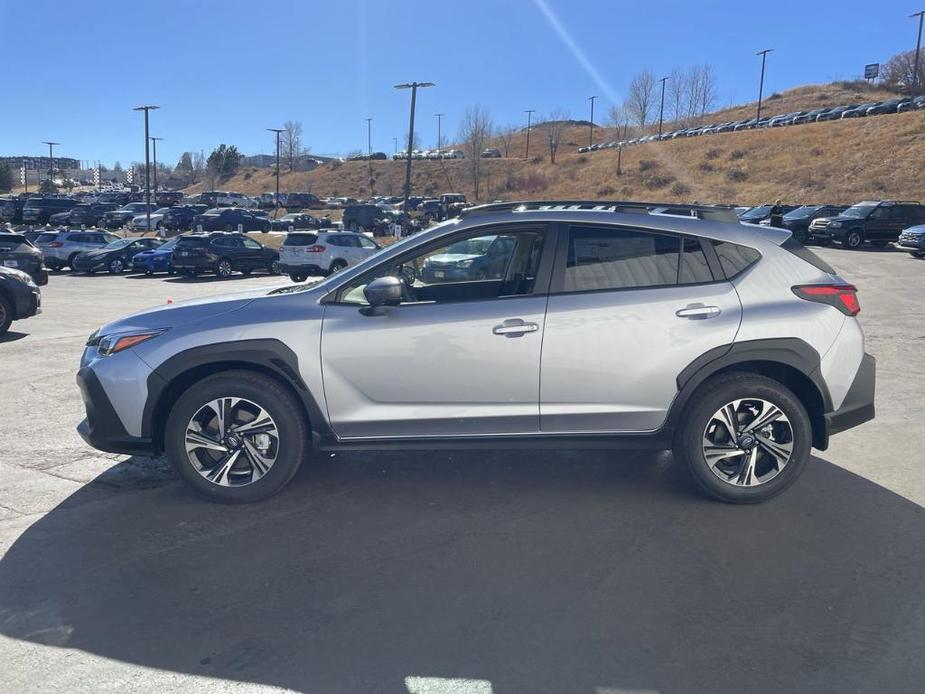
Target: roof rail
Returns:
[717, 213]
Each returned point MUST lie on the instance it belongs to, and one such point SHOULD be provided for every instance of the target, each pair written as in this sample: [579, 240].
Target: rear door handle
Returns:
[514, 327]
[698, 311]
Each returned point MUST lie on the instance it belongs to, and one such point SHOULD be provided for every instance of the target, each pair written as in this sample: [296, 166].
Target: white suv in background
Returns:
[235, 200]
[305, 253]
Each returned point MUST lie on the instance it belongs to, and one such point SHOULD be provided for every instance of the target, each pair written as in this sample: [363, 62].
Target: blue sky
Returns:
[222, 71]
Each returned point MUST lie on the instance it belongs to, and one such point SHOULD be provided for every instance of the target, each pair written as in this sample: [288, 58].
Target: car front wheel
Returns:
[116, 266]
[745, 439]
[236, 437]
[223, 268]
[6, 315]
[854, 240]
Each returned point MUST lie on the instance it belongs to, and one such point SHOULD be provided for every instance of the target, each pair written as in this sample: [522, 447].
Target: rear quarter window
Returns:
[735, 259]
[45, 238]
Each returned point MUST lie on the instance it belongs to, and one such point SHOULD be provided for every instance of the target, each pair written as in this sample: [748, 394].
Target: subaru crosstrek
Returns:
[607, 326]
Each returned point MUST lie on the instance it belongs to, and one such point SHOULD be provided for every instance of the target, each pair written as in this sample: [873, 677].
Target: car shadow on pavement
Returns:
[12, 336]
[534, 572]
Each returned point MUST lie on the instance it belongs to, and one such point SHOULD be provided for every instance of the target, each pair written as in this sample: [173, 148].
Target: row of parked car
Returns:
[817, 115]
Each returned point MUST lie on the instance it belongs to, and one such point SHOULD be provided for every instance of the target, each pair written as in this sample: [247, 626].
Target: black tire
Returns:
[70, 260]
[223, 268]
[116, 266]
[298, 277]
[6, 315]
[917, 254]
[275, 400]
[353, 226]
[710, 399]
[273, 267]
[853, 240]
[337, 266]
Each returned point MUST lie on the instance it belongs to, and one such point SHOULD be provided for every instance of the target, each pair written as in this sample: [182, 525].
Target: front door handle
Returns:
[514, 327]
[696, 311]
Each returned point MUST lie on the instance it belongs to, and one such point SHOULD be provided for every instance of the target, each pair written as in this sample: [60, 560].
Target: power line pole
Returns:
[591, 131]
[529, 113]
[395, 145]
[146, 109]
[51, 159]
[277, 131]
[369, 136]
[439, 130]
[918, 50]
[661, 109]
[413, 86]
[764, 56]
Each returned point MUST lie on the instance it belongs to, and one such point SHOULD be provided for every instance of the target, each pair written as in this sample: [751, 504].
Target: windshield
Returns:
[801, 212]
[476, 246]
[858, 211]
[757, 212]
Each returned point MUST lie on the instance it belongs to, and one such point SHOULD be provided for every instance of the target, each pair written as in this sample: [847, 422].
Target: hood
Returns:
[185, 312]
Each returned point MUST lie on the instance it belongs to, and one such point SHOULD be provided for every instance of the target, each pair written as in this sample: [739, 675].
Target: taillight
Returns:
[844, 297]
[55, 244]
[317, 248]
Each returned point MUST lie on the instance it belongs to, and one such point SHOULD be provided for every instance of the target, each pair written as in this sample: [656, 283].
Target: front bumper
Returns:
[84, 265]
[911, 243]
[102, 427]
[27, 302]
[858, 406]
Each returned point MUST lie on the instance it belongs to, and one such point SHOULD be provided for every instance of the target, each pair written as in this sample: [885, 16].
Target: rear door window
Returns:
[601, 258]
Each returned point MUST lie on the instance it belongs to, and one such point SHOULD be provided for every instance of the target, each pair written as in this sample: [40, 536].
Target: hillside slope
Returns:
[838, 162]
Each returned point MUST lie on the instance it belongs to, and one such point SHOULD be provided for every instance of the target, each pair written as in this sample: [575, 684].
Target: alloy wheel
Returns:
[854, 239]
[116, 266]
[748, 442]
[224, 268]
[231, 442]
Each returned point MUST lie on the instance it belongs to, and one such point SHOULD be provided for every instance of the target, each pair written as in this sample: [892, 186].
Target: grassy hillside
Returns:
[839, 162]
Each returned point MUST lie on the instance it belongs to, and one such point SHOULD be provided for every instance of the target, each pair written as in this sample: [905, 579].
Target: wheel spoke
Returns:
[746, 474]
[258, 461]
[769, 414]
[222, 408]
[260, 423]
[727, 415]
[715, 454]
[195, 439]
[219, 473]
[780, 451]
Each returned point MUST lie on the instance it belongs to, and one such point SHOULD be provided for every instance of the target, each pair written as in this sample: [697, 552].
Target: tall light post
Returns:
[918, 50]
[369, 136]
[661, 109]
[51, 159]
[394, 145]
[277, 131]
[764, 57]
[146, 109]
[413, 86]
[439, 130]
[154, 141]
[529, 113]
[591, 130]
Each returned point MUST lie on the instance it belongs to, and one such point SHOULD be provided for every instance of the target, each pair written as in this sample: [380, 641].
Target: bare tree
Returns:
[199, 166]
[640, 100]
[555, 125]
[898, 73]
[290, 141]
[415, 141]
[677, 95]
[619, 119]
[474, 132]
[704, 90]
[506, 135]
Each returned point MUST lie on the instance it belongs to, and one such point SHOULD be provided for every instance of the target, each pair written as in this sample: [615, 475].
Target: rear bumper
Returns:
[295, 269]
[858, 406]
[102, 427]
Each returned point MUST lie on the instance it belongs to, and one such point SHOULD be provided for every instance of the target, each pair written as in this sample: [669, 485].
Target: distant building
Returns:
[39, 163]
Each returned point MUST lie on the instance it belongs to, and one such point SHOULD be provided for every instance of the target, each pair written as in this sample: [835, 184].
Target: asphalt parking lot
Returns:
[556, 571]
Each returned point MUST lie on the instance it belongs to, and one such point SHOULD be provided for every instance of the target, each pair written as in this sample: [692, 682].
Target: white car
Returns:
[140, 222]
[306, 253]
[235, 200]
[454, 154]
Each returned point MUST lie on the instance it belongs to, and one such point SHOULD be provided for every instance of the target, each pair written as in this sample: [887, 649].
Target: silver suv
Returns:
[324, 252]
[602, 325]
[60, 248]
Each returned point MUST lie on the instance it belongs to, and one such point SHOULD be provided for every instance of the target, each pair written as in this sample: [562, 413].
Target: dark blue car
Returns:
[156, 259]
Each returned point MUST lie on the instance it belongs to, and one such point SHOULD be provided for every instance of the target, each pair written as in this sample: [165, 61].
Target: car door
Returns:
[456, 358]
[255, 254]
[879, 223]
[367, 247]
[628, 310]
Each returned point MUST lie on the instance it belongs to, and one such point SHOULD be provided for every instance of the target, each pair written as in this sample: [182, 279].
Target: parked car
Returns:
[491, 153]
[115, 257]
[116, 219]
[60, 248]
[451, 204]
[913, 240]
[140, 222]
[431, 209]
[11, 210]
[89, 214]
[296, 220]
[799, 219]
[323, 252]
[298, 201]
[480, 258]
[889, 106]
[231, 199]
[229, 219]
[740, 351]
[222, 253]
[40, 210]
[168, 198]
[180, 217]
[16, 251]
[758, 214]
[877, 221]
[453, 154]
[156, 259]
[859, 111]
[361, 216]
[20, 297]
[916, 104]
[809, 116]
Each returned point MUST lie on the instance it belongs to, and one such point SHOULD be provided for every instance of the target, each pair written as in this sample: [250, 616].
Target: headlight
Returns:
[835, 225]
[465, 263]
[110, 344]
[20, 276]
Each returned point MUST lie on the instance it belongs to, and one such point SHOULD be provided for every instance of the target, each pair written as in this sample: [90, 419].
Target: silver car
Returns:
[605, 325]
[323, 252]
[61, 247]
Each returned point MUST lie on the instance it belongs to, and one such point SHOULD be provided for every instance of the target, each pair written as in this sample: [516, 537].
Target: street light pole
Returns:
[413, 86]
[591, 131]
[277, 131]
[369, 136]
[146, 109]
[764, 56]
[661, 109]
[154, 141]
[439, 130]
[918, 50]
[395, 145]
[529, 113]
[51, 159]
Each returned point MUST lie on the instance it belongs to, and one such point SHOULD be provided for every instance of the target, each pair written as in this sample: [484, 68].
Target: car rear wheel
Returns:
[6, 315]
[223, 268]
[854, 240]
[116, 266]
[236, 437]
[298, 277]
[337, 266]
[70, 260]
[746, 438]
[273, 267]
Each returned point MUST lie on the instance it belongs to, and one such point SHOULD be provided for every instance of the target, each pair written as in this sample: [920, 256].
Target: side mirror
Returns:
[383, 291]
